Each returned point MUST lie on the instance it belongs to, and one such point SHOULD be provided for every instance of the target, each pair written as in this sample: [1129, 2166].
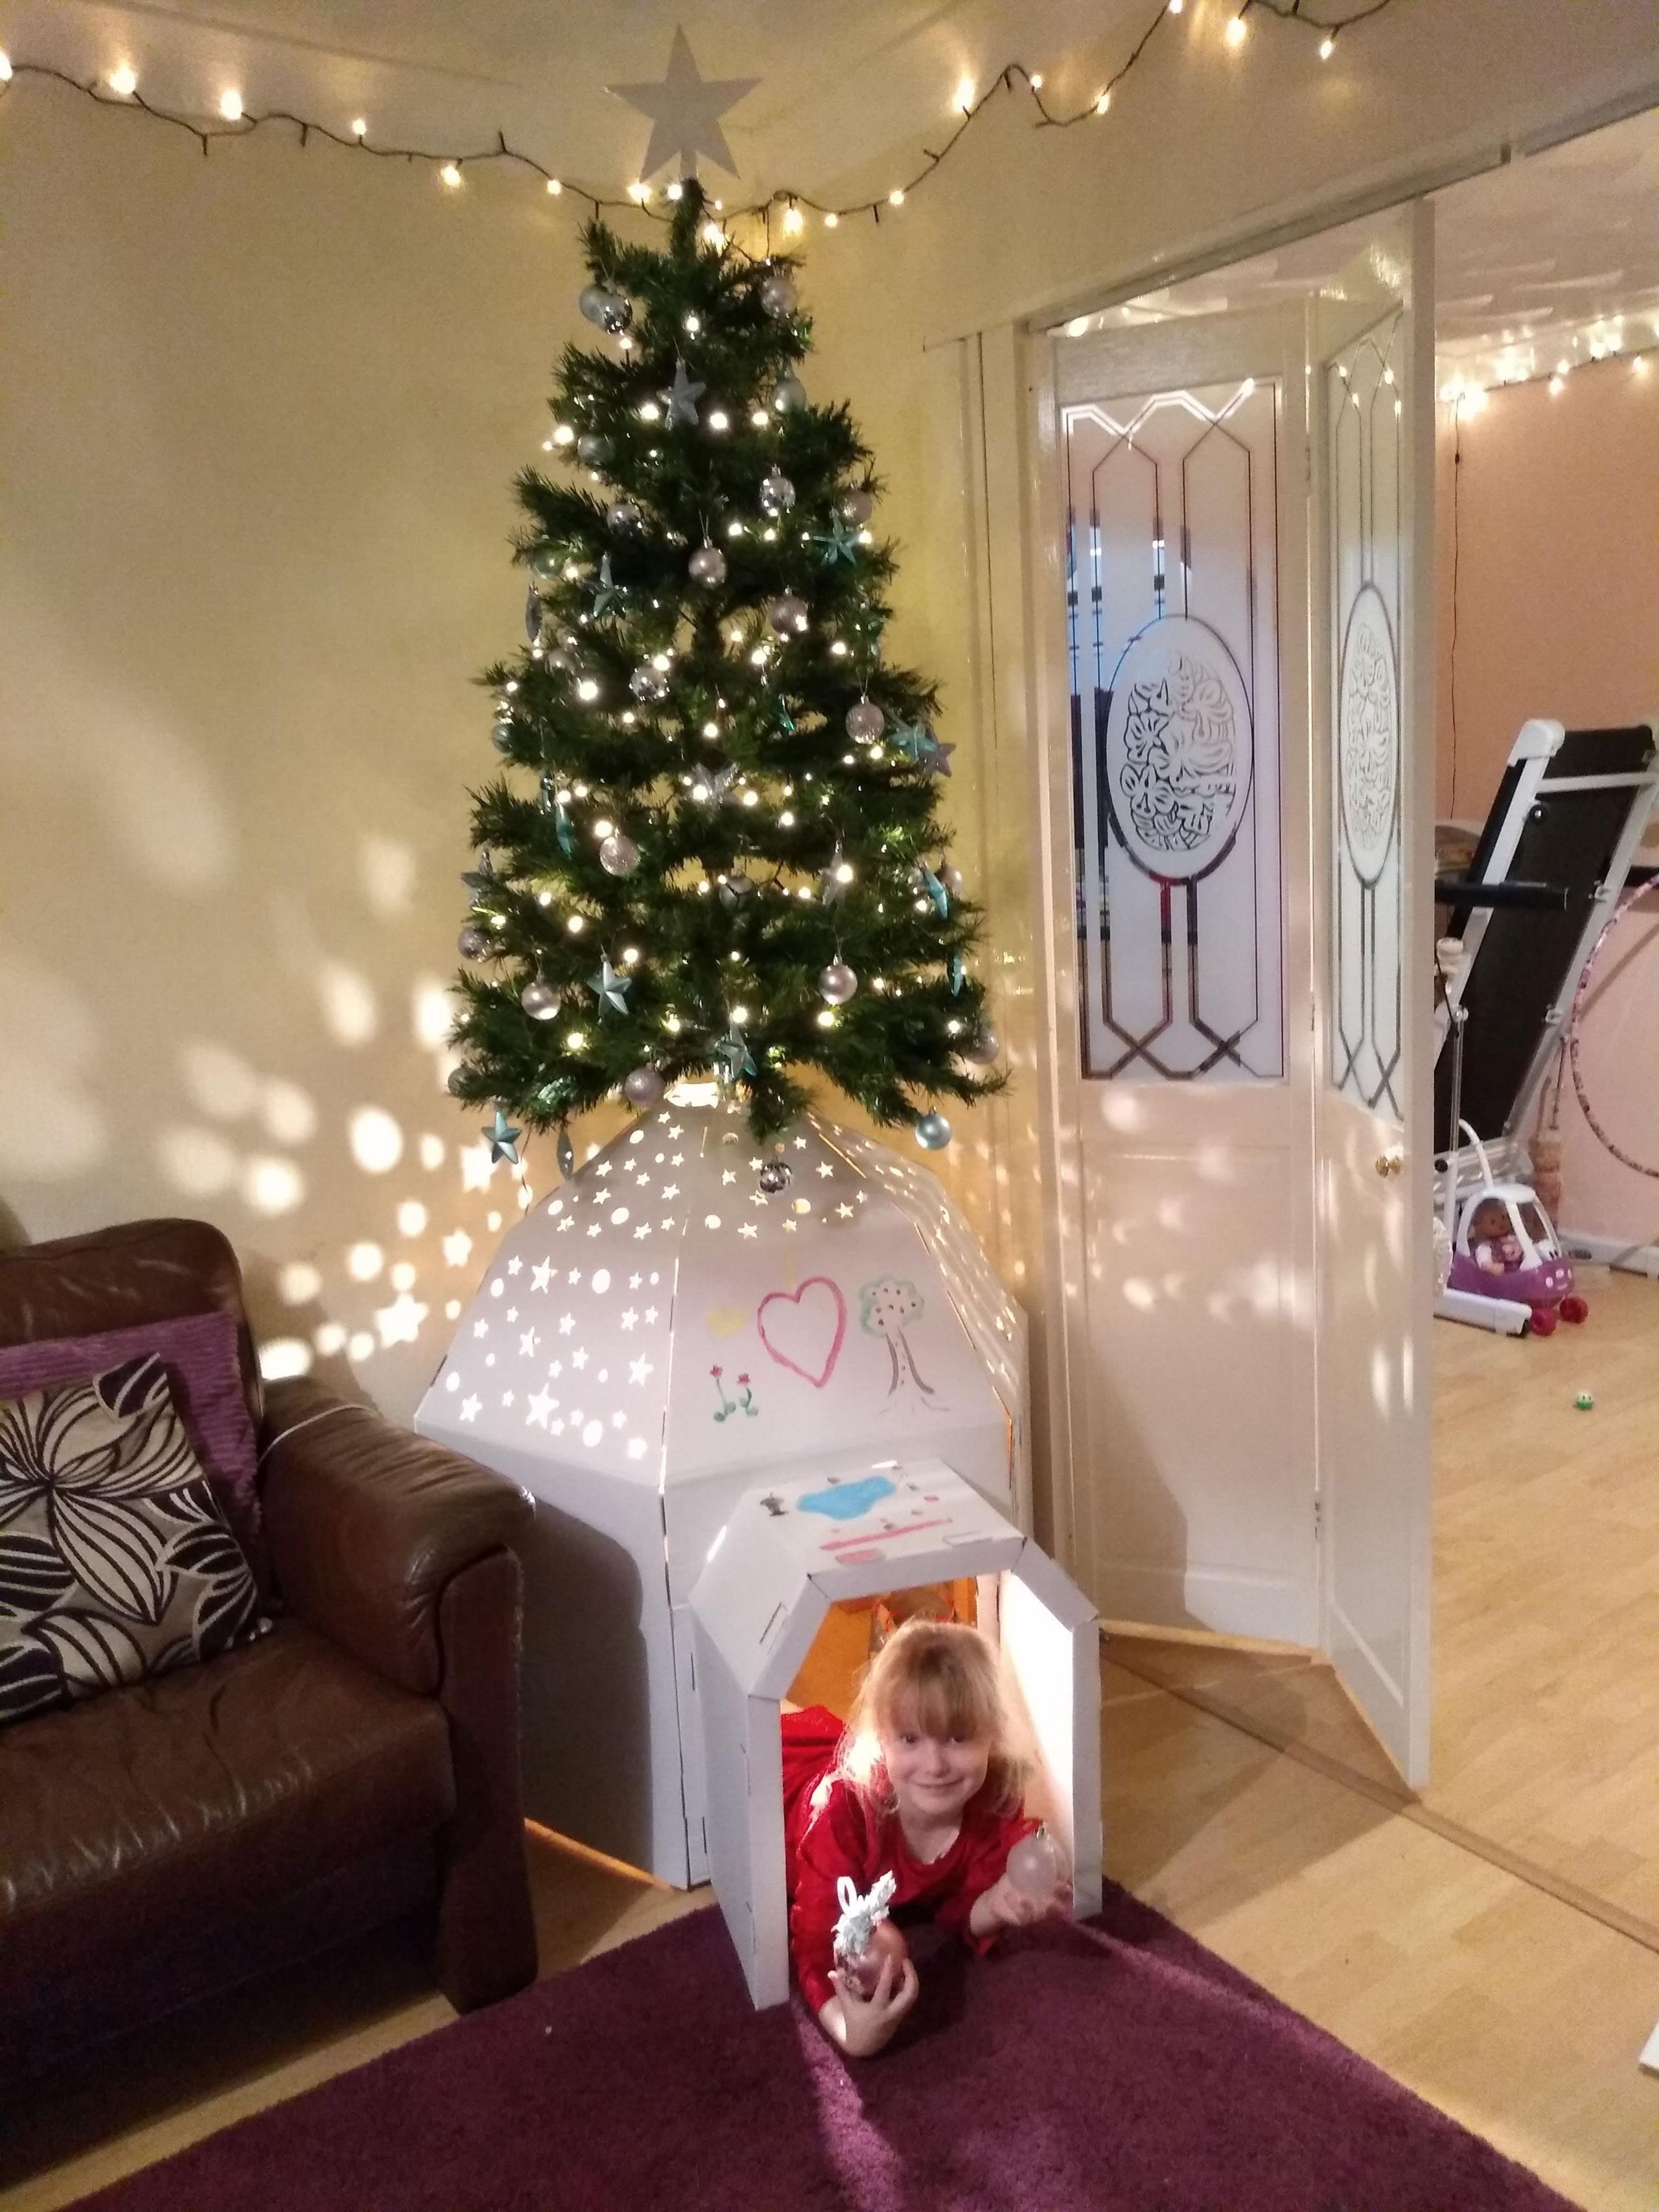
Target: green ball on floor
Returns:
[1585, 1400]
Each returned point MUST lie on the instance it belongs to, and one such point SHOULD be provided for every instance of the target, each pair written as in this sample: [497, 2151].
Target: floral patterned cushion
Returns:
[116, 1560]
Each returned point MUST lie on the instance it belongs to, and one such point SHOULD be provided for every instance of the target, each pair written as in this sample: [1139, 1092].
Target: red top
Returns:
[830, 1829]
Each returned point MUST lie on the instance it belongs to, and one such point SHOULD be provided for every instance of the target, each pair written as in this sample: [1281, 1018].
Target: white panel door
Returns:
[1243, 960]
[1372, 360]
[1186, 1084]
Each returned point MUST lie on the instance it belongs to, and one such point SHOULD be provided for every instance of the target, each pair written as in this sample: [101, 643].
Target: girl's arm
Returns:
[979, 1905]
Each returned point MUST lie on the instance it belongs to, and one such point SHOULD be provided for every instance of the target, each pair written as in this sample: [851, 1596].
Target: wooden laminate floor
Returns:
[1495, 1946]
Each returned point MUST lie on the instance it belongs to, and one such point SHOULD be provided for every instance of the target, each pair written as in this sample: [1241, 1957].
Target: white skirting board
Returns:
[1648, 2062]
[1610, 1252]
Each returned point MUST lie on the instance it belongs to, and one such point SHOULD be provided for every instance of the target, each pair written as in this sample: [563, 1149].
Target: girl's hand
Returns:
[864, 2026]
[1002, 1905]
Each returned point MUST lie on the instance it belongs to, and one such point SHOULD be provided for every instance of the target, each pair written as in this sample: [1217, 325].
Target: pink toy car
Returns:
[1507, 1248]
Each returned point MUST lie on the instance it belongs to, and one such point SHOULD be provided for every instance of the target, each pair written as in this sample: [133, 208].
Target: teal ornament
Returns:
[483, 881]
[610, 988]
[606, 594]
[532, 615]
[785, 719]
[546, 561]
[562, 822]
[733, 1055]
[934, 889]
[565, 1153]
[503, 1140]
[932, 1133]
[681, 396]
[958, 972]
[838, 543]
[918, 744]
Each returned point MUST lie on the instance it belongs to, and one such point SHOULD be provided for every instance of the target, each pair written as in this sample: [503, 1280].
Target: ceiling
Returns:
[1552, 259]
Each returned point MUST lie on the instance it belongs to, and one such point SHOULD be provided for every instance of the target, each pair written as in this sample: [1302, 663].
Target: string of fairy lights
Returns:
[118, 87]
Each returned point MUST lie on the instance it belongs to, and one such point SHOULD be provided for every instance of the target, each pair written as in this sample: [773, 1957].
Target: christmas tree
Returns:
[715, 847]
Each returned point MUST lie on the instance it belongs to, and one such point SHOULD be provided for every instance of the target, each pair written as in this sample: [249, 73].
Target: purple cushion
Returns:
[199, 1351]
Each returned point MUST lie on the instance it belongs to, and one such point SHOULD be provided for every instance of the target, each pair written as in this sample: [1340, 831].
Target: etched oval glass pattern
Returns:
[1368, 733]
[1178, 749]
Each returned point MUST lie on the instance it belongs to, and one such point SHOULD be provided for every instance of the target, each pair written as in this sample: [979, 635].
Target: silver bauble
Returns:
[565, 1153]
[858, 506]
[600, 305]
[734, 889]
[952, 878]
[643, 1086]
[777, 494]
[501, 736]
[778, 297]
[837, 982]
[545, 563]
[865, 721]
[593, 449]
[787, 614]
[561, 657]
[473, 943]
[456, 1084]
[648, 682]
[618, 856]
[789, 395]
[773, 1177]
[984, 1049]
[540, 999]
[932, 1133]
[707, 565]
[624, 516]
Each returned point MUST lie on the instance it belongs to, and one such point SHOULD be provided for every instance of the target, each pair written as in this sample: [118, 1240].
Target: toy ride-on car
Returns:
[1506, 1248]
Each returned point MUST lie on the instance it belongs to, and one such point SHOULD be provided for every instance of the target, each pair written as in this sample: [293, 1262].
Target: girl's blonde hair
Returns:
[940, 1679]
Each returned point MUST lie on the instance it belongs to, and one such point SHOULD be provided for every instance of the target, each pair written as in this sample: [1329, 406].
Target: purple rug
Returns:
[1116, 2067]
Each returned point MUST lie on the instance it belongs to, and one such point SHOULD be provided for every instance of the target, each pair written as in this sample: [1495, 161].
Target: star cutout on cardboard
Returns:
[686, 109]
[541, 1274]
[503, 1140]
[681, 396]
[470, 1408]
[541, 1405]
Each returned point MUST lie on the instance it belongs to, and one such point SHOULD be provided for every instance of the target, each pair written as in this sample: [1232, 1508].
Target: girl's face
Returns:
[933, 1777]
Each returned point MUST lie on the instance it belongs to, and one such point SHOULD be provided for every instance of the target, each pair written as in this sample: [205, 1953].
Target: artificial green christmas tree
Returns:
[715, 847]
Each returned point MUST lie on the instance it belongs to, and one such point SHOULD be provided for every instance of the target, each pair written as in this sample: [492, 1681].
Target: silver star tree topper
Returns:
[686, 110]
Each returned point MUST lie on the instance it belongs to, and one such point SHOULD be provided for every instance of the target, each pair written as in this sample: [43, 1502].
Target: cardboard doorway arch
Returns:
[787, 1553]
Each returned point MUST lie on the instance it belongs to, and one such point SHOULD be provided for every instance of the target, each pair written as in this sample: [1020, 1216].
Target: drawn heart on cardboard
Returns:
[847, 1500]
[804, 1329]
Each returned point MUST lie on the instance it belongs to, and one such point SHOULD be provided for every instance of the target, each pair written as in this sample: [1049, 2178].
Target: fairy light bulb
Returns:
[793, 220]
[5, 68]
[832, 220]
[739, 1015]
[895, 198]
[575, 1039]
[1102, 103]
[1326, 47]
[676, 189]
[230, 105]
[576, 924]
[639, 193]
[360, 126]
[123, 82]
[450, 174]
[554, 187]
[1236, 31]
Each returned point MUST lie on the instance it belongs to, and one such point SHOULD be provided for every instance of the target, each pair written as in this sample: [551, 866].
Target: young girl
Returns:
[921, 1784]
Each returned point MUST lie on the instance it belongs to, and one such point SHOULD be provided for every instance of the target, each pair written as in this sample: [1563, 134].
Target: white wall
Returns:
[261, 417]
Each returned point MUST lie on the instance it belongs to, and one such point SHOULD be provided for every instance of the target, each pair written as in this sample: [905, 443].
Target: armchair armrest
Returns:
[368, 1524]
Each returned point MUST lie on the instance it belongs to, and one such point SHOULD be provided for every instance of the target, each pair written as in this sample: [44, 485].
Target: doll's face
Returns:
[1490, 1224]
[933, 1777]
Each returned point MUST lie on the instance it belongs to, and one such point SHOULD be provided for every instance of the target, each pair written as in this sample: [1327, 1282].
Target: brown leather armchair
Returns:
[357, 1764]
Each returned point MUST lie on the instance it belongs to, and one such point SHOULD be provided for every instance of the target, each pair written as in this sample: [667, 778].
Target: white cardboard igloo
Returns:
[791, 1550]
[654, 1339]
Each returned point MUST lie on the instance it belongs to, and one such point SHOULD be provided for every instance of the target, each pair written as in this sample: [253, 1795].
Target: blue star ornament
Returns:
[917, 743]
[733, 1055]
[483, 881]
[958, 972]
[681, 396]
[686, 110]
[503, 1140]
[839, 543]
[935, 890]
[610, 988]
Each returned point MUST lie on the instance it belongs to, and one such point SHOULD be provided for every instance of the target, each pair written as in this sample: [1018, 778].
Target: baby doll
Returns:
[1492, 1241]
[923, 1785]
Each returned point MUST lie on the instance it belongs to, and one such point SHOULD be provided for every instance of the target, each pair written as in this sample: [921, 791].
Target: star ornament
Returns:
[606, 594]
[681, 397]
[838, 543]
[610, 988]
[917, 743]
[503, 1140]
[686, 110]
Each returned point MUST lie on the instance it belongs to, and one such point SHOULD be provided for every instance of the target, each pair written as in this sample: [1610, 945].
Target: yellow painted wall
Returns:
[259, 422]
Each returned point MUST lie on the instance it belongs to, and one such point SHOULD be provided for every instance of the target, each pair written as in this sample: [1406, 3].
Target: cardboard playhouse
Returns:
[787, 1553]
[668, 1330]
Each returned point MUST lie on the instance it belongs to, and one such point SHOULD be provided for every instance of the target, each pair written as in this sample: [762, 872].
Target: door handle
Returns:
[1390, 1163]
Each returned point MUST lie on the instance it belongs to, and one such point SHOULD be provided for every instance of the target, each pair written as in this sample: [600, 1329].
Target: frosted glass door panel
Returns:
[1173, 635]
[1363, 404]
